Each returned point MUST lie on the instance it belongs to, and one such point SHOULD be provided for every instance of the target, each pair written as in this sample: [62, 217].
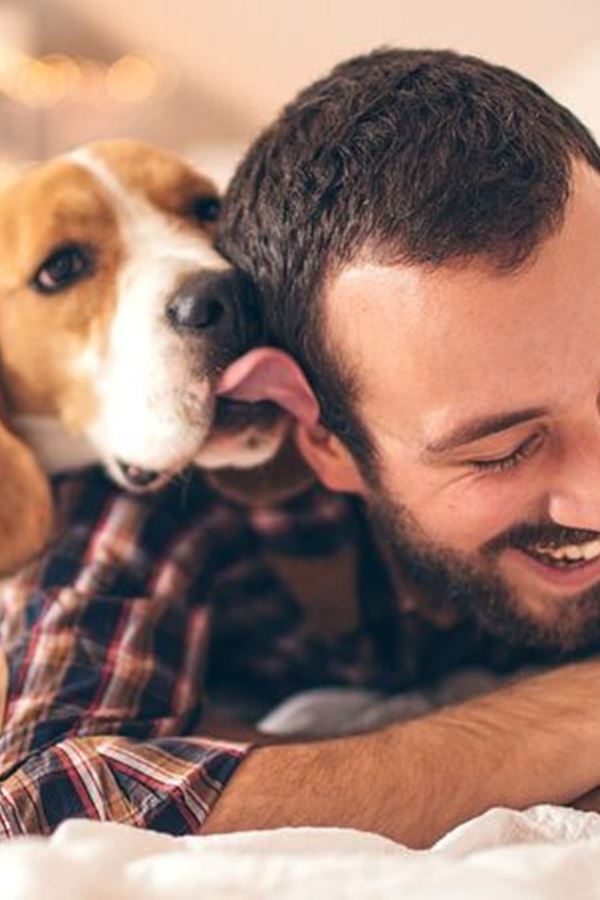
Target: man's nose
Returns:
[574, 500]
[217, 304]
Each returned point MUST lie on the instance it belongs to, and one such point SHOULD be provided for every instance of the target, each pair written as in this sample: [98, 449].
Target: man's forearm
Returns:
[536, 741]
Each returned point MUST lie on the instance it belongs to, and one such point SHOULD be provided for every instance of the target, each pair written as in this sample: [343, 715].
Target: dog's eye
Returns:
[61, 269]
[206, 209]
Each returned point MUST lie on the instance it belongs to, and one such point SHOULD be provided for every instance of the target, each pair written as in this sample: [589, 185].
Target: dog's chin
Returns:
[249, 450]
[243, 436]
[137, 479]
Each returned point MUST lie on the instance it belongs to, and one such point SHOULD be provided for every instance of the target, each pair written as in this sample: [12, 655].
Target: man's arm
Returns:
[535, 741]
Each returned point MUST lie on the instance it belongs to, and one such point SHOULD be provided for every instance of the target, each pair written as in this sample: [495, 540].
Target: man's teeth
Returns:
[568, 552]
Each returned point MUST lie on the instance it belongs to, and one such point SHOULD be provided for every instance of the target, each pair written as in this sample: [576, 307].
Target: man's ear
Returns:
[332, 462]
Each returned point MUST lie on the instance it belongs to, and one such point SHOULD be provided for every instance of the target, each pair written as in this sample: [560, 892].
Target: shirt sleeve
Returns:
[105, 642]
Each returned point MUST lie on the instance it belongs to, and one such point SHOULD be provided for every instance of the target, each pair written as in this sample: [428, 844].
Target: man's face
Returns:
[481, 391]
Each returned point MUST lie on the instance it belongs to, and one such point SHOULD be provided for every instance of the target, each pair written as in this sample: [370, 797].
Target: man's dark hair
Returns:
[412, 156]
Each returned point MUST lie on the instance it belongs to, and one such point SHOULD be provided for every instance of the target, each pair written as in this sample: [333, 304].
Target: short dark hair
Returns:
[415, 156]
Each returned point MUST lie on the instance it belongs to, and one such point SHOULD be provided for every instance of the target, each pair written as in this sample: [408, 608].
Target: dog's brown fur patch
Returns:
[169, 185]
[43, 337]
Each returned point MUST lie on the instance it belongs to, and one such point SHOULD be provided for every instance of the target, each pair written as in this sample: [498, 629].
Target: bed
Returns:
[546, 852]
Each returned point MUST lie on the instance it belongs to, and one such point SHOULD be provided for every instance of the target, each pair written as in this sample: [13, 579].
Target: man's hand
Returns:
[535, 741]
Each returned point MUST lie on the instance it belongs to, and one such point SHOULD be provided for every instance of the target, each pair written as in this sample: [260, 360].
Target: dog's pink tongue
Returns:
[270, 374]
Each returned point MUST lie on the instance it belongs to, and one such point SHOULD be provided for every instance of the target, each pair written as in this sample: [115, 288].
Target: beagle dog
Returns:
[117, 318]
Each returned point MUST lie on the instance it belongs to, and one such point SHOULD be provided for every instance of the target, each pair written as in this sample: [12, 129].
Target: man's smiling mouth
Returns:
[568, 556]
[565, 570]
[550, 546]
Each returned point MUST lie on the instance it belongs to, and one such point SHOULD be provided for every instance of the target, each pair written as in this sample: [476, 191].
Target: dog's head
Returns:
[117, 317]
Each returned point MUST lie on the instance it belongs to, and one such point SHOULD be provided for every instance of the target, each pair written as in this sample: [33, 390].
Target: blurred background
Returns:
[203, 78]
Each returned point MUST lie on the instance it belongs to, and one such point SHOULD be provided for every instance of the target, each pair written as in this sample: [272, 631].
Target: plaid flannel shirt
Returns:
[144, 604]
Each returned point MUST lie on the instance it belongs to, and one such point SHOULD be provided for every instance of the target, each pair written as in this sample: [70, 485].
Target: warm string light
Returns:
[45, 81]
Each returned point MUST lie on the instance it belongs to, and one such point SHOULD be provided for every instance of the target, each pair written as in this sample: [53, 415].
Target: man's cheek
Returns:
[466, 524]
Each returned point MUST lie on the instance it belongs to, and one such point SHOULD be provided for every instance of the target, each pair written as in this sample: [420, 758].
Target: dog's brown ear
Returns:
[25, 503]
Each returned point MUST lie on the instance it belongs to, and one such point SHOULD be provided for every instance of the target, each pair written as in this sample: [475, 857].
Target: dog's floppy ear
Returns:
[25, 501]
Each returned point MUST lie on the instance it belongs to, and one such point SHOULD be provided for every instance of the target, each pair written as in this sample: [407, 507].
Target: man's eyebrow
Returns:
[483, 427]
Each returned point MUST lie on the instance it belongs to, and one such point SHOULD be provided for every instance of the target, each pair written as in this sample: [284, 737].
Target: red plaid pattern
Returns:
[145, 604]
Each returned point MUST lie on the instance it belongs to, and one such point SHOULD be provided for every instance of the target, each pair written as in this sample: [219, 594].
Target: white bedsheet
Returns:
[547, 852]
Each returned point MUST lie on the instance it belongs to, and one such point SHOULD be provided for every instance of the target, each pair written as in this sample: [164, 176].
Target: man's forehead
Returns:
[465, 335]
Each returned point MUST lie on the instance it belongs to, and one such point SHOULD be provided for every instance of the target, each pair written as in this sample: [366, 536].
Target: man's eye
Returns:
[523, 451]
[62, 269]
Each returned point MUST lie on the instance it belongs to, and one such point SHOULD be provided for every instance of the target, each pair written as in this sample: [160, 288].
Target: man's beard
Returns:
[475, 589]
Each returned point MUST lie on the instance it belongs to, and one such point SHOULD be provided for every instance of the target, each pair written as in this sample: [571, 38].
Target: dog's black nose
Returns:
[217, 303]
[200, 303]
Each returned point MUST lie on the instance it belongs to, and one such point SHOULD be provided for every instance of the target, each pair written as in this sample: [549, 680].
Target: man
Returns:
[422, 228]
[409, 221]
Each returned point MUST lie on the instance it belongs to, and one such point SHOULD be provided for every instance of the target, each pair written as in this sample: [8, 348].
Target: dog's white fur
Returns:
[142, 375]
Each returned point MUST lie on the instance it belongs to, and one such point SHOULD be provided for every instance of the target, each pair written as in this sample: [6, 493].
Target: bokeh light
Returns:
[46, 81]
